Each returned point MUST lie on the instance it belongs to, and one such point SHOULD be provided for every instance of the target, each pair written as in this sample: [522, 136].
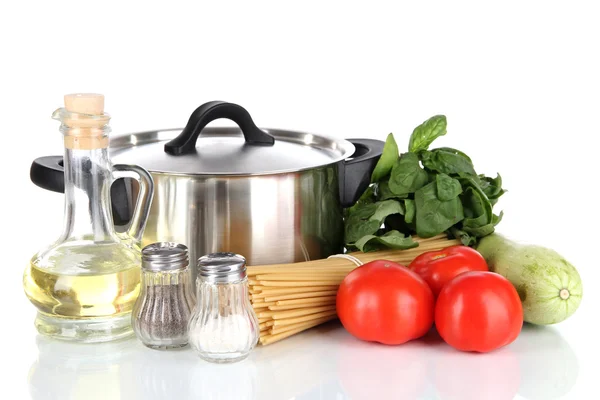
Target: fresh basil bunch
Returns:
[424, 192]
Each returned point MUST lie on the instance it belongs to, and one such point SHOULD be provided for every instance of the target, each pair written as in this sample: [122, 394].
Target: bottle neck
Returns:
[88, 178]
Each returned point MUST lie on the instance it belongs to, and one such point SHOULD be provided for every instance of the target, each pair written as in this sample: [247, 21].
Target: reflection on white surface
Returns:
[156, 374]
[376, 371]
[78, 371]
[549, 367]
[223, 381]
[300, 366]
[323, 363]
[472, 376]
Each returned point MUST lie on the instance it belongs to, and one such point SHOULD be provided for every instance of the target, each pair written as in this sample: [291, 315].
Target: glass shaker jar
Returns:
[162, 311]
[223, 327]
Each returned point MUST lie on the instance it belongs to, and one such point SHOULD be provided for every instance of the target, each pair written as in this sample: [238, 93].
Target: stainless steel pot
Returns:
[275, 197]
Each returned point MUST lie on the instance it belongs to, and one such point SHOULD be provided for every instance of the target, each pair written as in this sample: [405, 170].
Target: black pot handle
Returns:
[355, 172]
[48, 173]
[208, 112]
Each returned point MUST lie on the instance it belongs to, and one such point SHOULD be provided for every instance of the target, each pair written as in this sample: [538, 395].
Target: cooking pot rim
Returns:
[338, 149]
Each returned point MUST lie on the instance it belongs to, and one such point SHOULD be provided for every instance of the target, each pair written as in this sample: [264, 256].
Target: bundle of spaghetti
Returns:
[290, 298]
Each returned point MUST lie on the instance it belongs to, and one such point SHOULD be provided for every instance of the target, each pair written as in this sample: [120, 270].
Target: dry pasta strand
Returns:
[332, 282]
[298, 306]
[267, 339]
[263, 325]
[306, 325]
[306, 301]
[274, 290]
[288, 321]
[315, 276]
[298, 313]
[293, 313]
[275, 338]
[301, 295]
[263, 304]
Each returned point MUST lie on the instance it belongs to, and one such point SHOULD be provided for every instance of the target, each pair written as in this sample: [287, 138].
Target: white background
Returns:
[518, 81]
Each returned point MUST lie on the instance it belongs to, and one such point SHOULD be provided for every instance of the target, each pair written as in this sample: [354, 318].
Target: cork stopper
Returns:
[85, 103]
[86, 120]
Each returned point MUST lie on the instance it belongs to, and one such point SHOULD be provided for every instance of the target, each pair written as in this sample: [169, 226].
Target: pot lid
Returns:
[223, 151]
[243, 150]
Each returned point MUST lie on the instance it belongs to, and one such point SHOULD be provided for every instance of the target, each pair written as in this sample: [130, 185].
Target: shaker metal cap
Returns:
[164, 256]
[222, 267]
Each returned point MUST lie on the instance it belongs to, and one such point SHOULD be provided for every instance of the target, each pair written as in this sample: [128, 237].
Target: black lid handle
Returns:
[208, 112]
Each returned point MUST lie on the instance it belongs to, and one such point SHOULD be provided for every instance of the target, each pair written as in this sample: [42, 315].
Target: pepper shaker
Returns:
[223, 327]
[163, 309]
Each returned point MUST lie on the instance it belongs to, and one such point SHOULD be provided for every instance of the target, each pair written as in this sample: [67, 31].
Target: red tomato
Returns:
[439, 267]
[478, 311]
[385, 302]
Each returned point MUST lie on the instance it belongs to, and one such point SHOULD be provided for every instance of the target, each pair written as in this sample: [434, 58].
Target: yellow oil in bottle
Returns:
[98, 289]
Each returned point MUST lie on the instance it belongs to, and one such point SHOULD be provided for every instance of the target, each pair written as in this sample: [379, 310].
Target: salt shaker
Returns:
[223, 327]
[162, 311]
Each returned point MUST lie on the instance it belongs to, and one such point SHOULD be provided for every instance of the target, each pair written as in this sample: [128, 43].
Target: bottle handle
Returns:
[144, 201]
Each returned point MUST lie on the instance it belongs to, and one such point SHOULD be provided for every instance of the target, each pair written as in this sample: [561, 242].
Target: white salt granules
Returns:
[222, 335]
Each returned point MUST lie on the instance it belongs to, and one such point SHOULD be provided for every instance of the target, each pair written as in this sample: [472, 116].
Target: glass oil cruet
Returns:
[86, 283]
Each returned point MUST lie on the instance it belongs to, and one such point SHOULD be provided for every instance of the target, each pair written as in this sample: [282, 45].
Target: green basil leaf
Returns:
[368, 218]
[478, 208]
[392, 240]
[480, 231]
[477, 204]
[464, 237]
[476, 213]
[484, 184]
[385, 208]
[409, 211]
[387, 159]
[384, 193]
[434, 216]
[356, 228]
[447, 162]
[457, 152]
[407, 175]
[363, 211]
[447, 188]
[426, 133]
[357, 222]
[492, 187]
[497, 218]
[368, 197]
